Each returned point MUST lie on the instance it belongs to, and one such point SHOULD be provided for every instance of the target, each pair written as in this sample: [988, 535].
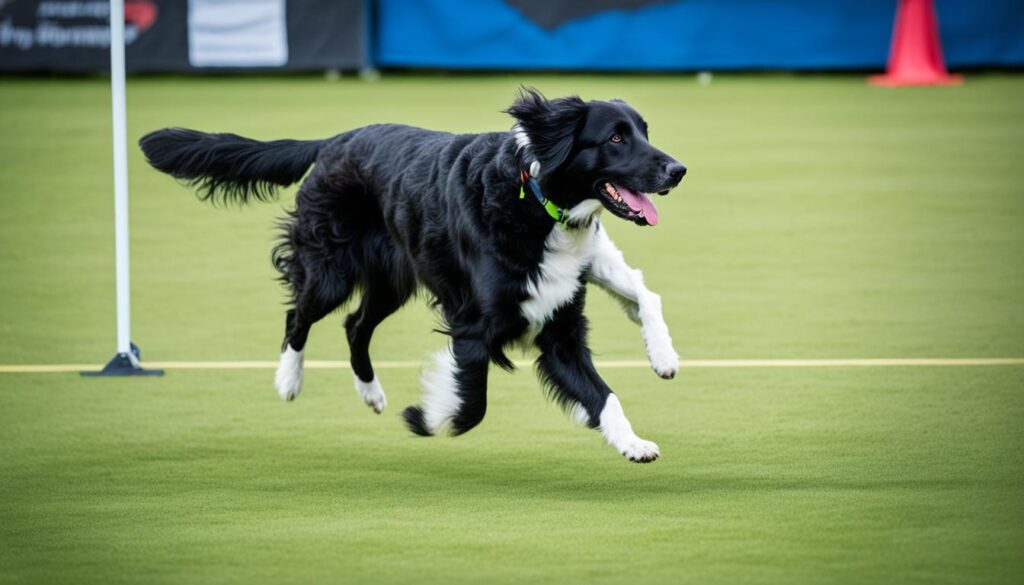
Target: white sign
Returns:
[237, 33]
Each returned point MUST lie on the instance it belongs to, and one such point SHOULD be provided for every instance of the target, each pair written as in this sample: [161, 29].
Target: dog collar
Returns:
[557, 213]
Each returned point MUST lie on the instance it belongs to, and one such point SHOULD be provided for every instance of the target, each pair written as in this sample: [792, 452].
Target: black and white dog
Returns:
[501, 228]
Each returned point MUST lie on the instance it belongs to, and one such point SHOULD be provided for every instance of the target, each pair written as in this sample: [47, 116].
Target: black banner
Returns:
[180, 35]
[551, 14]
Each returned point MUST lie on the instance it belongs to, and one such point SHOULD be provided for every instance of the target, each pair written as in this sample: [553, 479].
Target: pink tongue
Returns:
[638, 201]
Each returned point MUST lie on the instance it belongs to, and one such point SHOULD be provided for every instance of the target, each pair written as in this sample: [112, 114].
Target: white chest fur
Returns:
[567, 252]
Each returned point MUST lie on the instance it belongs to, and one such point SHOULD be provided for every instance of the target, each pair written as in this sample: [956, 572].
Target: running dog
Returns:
[502, 229]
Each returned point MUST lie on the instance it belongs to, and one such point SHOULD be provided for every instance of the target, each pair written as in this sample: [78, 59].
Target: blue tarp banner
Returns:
[597, 35]
[680, 34]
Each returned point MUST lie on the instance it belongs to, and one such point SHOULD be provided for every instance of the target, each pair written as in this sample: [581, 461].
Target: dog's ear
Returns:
[546, 130]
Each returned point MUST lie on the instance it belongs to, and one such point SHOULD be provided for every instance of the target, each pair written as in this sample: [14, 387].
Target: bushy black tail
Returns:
[227, 167]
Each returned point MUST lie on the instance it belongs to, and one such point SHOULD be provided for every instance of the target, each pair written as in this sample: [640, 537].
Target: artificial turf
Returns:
[821, 218]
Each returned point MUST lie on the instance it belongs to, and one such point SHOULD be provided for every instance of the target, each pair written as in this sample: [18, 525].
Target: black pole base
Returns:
[124, 364]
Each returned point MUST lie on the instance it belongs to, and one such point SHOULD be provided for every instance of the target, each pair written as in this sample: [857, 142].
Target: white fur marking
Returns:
[372, 394]
[610, 271]
[524, 148]
[441, 401]
[619, 433]
[288, 378]
[522, 140]
[582, 212]
[566, 253]
[579, 415]
[663, 357]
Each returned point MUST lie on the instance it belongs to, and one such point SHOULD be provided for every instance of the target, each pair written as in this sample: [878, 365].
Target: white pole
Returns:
[117, 94]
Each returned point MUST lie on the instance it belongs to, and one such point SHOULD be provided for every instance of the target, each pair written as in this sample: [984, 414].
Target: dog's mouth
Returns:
[628, 204]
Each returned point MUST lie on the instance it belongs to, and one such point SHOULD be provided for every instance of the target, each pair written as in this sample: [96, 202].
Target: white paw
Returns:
[638, 450]
[372, 394]
[619, 433]
[288, 378]
[664, 360]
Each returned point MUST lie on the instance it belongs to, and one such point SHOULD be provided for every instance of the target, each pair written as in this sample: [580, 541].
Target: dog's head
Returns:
[594, 151]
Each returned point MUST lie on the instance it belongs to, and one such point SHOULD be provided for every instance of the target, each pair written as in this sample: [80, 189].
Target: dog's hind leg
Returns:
[314, 302]
[380, 299]
[316, 260]
[454, 390]
[565, 365]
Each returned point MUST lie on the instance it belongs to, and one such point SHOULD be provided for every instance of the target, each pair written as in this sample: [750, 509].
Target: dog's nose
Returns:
[675, 170]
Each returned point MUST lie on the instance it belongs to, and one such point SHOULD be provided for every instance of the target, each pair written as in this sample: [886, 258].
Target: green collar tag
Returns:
[557, 213]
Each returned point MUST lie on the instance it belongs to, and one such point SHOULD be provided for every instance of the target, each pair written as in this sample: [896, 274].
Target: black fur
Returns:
[390, 209]
[228, 167]
[413, 417]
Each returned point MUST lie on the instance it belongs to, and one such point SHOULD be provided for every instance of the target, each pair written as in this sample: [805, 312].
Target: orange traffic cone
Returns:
[915, 57]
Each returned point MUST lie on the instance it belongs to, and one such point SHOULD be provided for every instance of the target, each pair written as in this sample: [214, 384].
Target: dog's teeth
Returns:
[613, 192]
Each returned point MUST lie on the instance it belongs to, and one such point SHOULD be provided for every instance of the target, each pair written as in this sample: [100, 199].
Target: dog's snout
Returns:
[675, 171]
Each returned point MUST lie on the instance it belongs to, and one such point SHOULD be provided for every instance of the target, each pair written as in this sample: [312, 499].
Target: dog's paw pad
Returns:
[372, 394]
[289, 389]
[666, 373]
[665, 363]
[288, 393]
[640, 451]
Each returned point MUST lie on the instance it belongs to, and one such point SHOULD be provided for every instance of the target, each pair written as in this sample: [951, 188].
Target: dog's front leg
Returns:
[566, 367]
[610, 271]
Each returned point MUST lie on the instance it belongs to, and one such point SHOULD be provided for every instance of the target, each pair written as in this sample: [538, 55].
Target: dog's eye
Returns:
[616, 138]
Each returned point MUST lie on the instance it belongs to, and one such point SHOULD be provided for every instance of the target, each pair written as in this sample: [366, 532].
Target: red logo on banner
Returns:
[141, 13]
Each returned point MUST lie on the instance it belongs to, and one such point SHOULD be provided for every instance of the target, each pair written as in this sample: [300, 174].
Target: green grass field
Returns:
[821, 218]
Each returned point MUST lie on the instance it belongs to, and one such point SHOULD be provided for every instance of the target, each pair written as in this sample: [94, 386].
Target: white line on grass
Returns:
[398, 365]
